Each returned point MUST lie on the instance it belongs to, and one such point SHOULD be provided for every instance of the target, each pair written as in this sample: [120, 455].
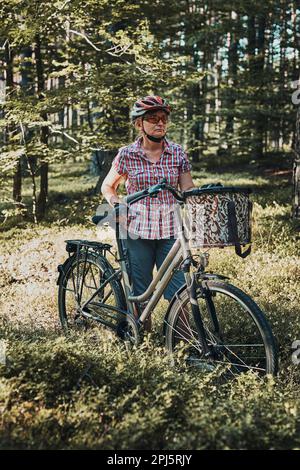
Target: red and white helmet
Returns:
[149, 103]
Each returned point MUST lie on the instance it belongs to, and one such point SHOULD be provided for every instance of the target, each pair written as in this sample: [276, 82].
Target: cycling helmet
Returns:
[149, 103]
[146, 104]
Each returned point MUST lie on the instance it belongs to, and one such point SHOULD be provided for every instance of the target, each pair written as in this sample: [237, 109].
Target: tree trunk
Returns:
[296, 182]
[296, 169]
[259, 78]
[232, 83]
[198, 125]
[43, 195]
[27, 86]
[281, 77]
[217, 83]
[17, 183]
[17, 178]
[295, 41]
[101, 163]
[251, 36]
[198, 91]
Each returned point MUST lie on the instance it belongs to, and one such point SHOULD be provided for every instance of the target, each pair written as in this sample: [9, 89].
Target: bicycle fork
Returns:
[192, 289]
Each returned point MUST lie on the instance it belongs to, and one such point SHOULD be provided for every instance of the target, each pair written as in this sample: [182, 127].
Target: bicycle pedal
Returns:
[200, 364]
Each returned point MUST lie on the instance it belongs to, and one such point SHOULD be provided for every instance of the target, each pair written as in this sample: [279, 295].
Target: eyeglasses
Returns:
[155, 119]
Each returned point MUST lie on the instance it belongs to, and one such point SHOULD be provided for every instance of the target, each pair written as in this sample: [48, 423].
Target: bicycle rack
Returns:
[75, 245]
[83, 247]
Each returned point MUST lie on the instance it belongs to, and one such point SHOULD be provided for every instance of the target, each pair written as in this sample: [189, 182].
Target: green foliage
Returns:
[89, 392]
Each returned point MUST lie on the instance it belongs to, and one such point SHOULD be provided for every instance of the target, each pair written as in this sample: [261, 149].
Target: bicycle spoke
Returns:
[83, 276]
[185, 339]
[242, 363]
[94, 279]
[81, 289]
[187, 323]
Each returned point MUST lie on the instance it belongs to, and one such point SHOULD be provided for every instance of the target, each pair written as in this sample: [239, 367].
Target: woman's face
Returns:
[155, 123]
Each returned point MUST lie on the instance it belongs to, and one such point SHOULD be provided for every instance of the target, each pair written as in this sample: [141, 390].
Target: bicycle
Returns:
[215, 322]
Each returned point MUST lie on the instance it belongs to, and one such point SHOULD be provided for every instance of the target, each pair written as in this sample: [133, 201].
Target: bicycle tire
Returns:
[104, 316]
[248, 306]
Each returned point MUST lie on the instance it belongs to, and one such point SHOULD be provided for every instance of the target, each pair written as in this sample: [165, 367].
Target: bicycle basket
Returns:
[219, 216]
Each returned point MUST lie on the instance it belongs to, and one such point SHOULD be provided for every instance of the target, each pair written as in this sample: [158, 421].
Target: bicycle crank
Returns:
[128, 331]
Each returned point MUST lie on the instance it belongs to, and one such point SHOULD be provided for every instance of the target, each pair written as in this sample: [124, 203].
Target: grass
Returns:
[89, 392]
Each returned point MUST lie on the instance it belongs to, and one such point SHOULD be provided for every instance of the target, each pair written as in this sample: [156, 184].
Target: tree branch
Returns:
[86, 38]
[56, 131]
[117, 52]
[59, 9]
[3, 47]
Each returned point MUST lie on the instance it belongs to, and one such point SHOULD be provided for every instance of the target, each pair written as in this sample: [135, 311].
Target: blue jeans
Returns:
[143, 256]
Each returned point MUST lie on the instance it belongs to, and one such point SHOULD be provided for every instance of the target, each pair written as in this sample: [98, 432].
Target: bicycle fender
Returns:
[61, 268]
[211, 276]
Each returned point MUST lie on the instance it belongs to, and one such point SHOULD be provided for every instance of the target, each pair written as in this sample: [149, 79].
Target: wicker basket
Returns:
[219, 216]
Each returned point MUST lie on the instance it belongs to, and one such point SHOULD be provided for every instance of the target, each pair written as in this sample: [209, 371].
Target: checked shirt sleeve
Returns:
[185, 165]
[119, 163]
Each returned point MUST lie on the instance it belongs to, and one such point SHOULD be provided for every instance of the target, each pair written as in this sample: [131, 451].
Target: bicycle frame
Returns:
[179, 255]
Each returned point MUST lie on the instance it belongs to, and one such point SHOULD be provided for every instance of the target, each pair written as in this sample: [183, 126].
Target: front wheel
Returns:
[237, 332]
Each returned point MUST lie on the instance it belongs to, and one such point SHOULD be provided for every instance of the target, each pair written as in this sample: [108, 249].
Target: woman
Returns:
[151, 224]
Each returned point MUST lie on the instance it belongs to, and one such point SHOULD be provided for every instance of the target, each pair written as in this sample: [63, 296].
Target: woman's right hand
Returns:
[114, 200]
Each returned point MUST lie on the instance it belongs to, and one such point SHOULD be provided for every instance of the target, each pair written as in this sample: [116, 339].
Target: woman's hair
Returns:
[136, 126]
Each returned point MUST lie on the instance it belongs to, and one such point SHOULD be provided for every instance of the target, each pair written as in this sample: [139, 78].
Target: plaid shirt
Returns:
[151, 218]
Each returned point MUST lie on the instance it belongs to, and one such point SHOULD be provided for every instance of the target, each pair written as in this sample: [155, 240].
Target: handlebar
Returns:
[135, 197]
[163, 185]
[152, 192]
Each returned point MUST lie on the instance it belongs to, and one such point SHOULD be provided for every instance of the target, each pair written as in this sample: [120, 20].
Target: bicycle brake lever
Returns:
[155, 190]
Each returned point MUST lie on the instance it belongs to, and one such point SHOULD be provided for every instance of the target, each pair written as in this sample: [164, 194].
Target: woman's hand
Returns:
[110, 185]
[113, 200]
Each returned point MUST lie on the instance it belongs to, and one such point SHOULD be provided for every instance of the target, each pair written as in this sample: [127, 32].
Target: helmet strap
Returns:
[154, 139]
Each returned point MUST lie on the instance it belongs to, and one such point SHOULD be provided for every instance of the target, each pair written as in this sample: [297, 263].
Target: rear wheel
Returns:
[79, 281]
[238, 334]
